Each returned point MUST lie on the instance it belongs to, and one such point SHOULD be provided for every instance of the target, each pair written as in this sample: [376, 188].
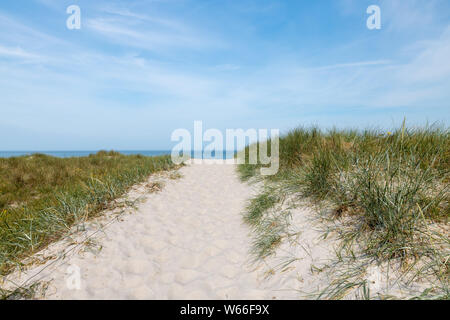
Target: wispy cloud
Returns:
[408, 15]
[432, 62]
[16, 32]
[17, 52]
[170, 23]
[127, 28]
[355, 64]
[130, 76]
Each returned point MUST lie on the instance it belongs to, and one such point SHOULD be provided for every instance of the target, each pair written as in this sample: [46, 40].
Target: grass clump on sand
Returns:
[41, 196]
[393, 187]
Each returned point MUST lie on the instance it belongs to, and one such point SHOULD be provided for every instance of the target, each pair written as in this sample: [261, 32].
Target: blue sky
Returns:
[137, 70]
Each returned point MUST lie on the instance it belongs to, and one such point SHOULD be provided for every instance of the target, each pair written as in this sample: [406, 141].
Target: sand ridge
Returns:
[186, 242]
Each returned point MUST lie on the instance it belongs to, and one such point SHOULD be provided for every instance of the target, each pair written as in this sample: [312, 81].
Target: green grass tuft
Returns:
[258, 206]
[41, 196]
[394, 185]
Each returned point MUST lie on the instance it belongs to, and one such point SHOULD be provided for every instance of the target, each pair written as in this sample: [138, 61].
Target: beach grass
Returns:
[41, 196]
[392, 186]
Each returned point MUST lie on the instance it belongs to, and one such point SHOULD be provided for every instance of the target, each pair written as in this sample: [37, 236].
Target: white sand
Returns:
[186, 242]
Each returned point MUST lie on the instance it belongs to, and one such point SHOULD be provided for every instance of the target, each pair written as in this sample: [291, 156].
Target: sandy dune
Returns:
[185, 242]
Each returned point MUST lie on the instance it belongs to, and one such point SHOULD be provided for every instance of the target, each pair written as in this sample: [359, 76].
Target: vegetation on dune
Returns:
[41, 196]
[393, 185]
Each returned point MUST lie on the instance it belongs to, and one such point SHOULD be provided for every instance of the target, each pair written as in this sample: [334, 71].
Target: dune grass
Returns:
[41, 196]
[394, 186]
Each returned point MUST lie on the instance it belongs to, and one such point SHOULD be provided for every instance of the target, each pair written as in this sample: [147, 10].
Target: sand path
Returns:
[185, 242]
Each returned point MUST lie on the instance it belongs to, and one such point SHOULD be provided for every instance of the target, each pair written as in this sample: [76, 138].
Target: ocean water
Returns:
[69, 154]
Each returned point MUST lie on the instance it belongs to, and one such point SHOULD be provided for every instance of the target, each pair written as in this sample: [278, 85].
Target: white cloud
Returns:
[226, 67]
[432, 64]
[80, 89]
[401, 15]
[127, 28]
[355, 64]
[17, 52]
[170, 23]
